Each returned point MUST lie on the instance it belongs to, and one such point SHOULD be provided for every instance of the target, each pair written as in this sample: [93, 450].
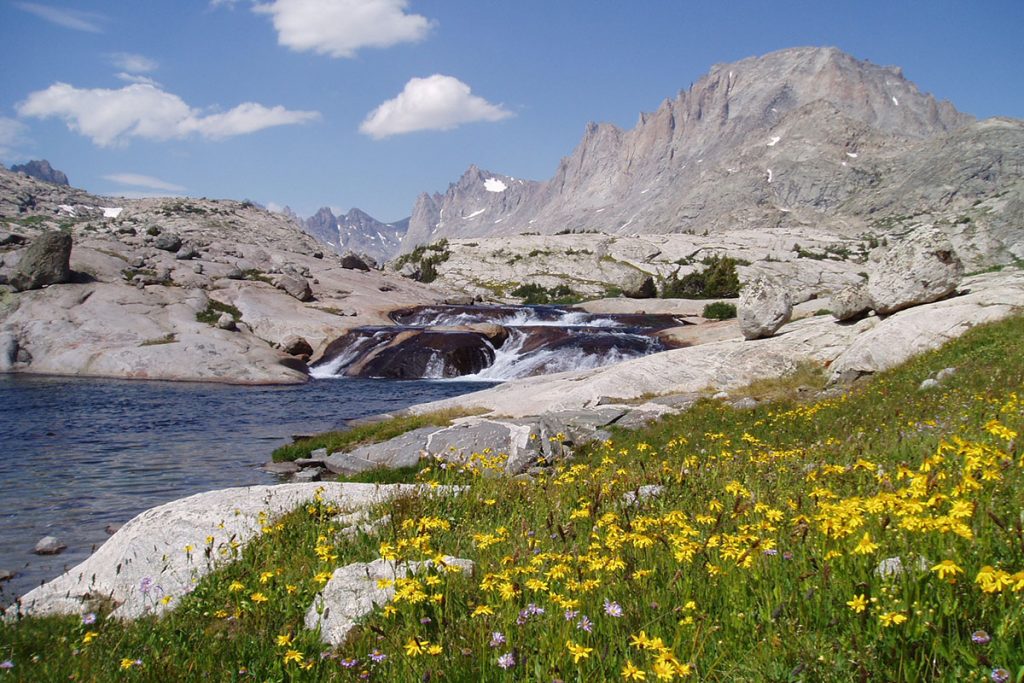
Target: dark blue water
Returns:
[79, 454]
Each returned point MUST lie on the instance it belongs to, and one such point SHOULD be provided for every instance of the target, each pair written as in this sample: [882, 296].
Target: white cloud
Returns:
[133, 63]
[339, 28]
[13, 134]
[111, 117]
[139, 180]
[433, 103]
[68, 18]
[137, 78]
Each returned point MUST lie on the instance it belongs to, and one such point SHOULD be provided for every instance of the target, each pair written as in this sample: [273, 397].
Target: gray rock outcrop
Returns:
[763, 308]
[47, 261]
[354, 261]
[920, 269]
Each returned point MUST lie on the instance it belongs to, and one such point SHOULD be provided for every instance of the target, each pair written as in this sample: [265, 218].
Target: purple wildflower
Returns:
[145, 585]
[771, 551]
[497, 639]
[6, 664]
[506, 661]
[1000, 675]
[980, 638]
[377, 656]
[612, 609]
[89, 618]
[585, 624]
[571, 614]
[425, 620]
[350, 663]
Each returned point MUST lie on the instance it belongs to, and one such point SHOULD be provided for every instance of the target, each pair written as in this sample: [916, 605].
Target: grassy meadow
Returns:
[876, 535]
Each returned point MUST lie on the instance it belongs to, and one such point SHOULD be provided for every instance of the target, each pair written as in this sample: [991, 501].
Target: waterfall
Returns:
[491, 343]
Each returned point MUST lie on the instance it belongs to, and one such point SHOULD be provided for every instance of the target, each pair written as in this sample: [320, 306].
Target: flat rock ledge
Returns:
[146, 561]
[353, 592]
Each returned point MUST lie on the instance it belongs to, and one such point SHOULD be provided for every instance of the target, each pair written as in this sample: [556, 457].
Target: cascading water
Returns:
[491, 343]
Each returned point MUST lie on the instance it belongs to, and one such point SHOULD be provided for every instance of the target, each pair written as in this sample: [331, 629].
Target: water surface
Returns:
[79, 454]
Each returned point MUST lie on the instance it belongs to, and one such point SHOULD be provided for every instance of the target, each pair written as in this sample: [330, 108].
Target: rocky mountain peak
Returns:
[41, 170]
[356, 231]
[764, 141]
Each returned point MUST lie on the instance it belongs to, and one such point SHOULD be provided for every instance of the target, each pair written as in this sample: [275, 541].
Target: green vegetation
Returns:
[168, 338]
[533, 294]
[257, 275]
[719, 310]
[718, 280]
[427, 259]
[367, 433]
[214, 309]
[769, 555]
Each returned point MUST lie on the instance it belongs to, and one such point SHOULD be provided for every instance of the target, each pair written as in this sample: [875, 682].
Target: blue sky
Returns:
[368, 103]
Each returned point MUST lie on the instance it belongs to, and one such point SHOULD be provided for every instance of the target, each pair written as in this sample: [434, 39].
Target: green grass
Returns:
[719, 310]
[744, 568]
[214, 309]
[365, 434]
[168, 338]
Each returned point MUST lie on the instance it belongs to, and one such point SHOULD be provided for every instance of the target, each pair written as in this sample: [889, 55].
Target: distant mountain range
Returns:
[799, 137]
[356, 231]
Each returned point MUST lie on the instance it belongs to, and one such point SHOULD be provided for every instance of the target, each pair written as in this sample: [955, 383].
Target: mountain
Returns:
[799, 137]
[356, 231]
[41, 170]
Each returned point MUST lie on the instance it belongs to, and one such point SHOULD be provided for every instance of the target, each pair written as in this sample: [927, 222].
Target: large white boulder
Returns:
[162, 553]
[764, 307]
[920, 269]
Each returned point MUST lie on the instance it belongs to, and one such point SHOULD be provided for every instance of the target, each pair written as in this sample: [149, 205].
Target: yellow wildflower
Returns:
[892, 618]
[258, 597]
[632, 673]
[947, 568]
[292, 656]
[858, 604]
[578, 652]
[414, 648]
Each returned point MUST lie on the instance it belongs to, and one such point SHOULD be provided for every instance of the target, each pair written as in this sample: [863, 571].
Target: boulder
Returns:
[11, 239]
[144, 561]
[354, 261]
[47, 261]
[353, 592]
[167, 242]
[295, 345]
[520, 443]
[186, 253]
[764, 307]
[850, 302]
[921, 269]
[48, 545]
[295, 286]
[226, 322]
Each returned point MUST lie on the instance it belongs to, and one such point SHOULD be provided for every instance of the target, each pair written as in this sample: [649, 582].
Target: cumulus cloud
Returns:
[339, 28]
[146, 181]
[13, 134]
[68, 18]
[434, 103]
[133, 63]
[111, 117]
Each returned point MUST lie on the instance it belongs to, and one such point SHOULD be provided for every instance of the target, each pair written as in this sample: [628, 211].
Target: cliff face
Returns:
[41, 170]
[782, 139]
